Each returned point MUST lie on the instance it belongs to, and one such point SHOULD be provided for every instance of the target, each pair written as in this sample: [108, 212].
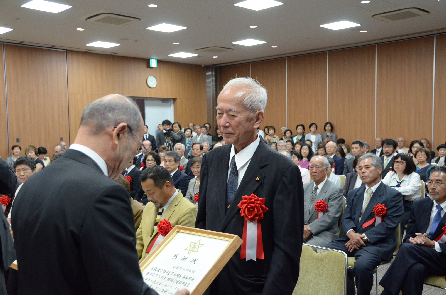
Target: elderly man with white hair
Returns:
[181, 148]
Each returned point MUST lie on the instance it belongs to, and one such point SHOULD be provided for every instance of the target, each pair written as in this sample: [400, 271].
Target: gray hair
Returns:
[335, 145]
[182, 146]
[175, 155]
[111, 110]
[324, 161]
[376, 161]
[254, 95]
[282, 141]
[330, 161]
[286, 154]
[62, 147]
[366, 145]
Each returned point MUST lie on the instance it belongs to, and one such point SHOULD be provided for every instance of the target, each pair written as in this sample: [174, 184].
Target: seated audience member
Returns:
[197, 151]
[133, 174]
[328, 135]
[357, 146]
[166, 203]
[413, 147]
[287, 135]
[281, 145]
[321, 227]
[440, 160]
[313, 136]
[297, 146]
[321, 149]
[353, 179]
[423, 167]
[304, 173]
[219, 136]
[206, 147]
[330, 173]
[23, 168]
[181, 149]
[273, 145]
[300, 134]
[289, 145]
[309, 142]
[340, 153]
[404, 179]
[369, 241]
[389, 147]
[64, 144]
[331, 149]
[162, 152]
[137, 207]
[347, 151]
[423, 250]
[41, 153]
[16, 150]
[265, 131]
[427, 145]
[188, 145]
[194, 183]
[340, 141]
[401, 148]
[271, 136]
[146, 148]
[150, 159]
[180, 179]
[58, 150]
[31, 152]
[366, 148]
[378, 150]
[306, 153]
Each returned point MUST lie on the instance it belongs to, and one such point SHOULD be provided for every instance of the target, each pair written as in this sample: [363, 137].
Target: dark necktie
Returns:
[398, 183]
[158, 216]
[436, 221]
[232, 183]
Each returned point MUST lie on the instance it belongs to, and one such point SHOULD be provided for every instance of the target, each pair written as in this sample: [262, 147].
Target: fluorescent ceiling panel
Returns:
[249, 42]
[183, 54]
[340, 25]
[46, 6]
[258, 4]
[4, 30]
[166, 28]
[103, 44]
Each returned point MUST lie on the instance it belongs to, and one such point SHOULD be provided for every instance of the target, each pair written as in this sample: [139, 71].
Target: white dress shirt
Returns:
[243, 158]
[92, 154]
[319, 186]
[410, 186]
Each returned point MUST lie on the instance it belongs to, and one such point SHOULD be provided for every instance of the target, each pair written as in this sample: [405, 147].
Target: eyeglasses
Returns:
[133, 132]
[435, 183]
[24, 170]
[399, 162]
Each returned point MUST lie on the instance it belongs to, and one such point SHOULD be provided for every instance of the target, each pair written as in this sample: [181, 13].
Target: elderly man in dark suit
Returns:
[246, 168]
[372, 214]
[423, 252]
[180, 179]
[321, 227]
[330, 149]
[82, 221]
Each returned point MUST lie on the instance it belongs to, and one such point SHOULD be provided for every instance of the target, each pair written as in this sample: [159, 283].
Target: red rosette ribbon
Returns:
[196, 197]
[181, 167]
[129, 178]
[164, 227]
[380, 210]
[143, 164]
[252, 209]
[442, 238]
[5, 201]
[320, 206]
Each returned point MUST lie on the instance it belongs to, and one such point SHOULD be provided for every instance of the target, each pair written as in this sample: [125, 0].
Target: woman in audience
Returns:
[289, 145]
[440, 160]
[41, 153]
[352, 180]
[423, 167]
[287, 135]
[313, 136]
[328, 134]
[404, 179]
[188, 145]
[150, 159]
[304, 173]
[340, 152]
[162, 152]
[321, 149]
[300, 130]
[194, 183]
[23, 167]
[31, 151]
[273, 145]
[413, 147]
[346, 149]
[306, 153]
[271, 136]
[297, 146]
[16, 150]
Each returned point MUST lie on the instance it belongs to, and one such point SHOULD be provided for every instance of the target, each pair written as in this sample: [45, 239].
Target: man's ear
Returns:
[258, 117]
[118, 131]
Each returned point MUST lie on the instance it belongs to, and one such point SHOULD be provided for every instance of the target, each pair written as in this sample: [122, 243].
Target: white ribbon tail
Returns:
[157, 241]
[4, 208]
[378, 220]
[251, 240]
[442, 239]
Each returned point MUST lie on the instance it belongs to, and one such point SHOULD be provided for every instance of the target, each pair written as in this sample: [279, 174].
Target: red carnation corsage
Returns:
[380, 210]
[320, 206]
[164, 227]
[196, 197]
[129, 178]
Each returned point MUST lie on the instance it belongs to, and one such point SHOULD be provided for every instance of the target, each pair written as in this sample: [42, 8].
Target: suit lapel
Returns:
[320, 196]
[221, 179]
[376, 198]
[426, 215]
[172, 206]
[357, 203]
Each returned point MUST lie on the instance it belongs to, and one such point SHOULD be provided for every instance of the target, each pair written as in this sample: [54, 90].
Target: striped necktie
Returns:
[436, 221]
[159, 216]
[232, 183]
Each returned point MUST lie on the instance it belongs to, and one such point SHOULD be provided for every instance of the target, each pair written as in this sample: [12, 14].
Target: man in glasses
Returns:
[73, 224]
[423, 252]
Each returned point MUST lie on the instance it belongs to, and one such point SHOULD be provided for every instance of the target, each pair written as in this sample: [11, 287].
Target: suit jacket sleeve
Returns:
[184, 184]
[347, 219]
[108, 243]
[331, 216]
[8, 181]
[339, 166]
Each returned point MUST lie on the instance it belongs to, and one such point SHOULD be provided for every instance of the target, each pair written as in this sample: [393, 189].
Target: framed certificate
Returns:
[188, 258]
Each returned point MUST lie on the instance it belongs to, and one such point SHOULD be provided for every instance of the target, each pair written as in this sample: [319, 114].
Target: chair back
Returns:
[321, 272]
[423, 189]
[341, 233]
[342, 180]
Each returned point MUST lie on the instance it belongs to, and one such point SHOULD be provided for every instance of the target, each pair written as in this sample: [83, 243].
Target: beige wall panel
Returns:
[229, 72]
[351, 93]
[93, 75]
[4, 149]
[37, 96]
[404, 89]
[440, 93]
[307, 91]
[272, 75]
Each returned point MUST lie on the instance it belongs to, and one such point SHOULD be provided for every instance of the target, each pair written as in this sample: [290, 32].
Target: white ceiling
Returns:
[294, 26]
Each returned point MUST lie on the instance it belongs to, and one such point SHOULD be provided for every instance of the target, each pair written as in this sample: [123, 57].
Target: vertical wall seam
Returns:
[68, 100]
[250, 74]
[286, 92]
[433, 89]
[6, 94]
[376, 83]
[327, 86]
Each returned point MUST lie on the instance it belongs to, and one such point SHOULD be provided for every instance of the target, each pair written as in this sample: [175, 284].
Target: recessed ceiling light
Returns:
[363, 31]
[249, 42]
[166, 28]
[215, 56]
[153, 5]
[175, 43]
[80, 29]
[183, 54]
[340, 25]
[4, 30]
[253, 27]
[103, 44]
[46, 6]
[365, 1]
[258, 4]
[274, 46]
